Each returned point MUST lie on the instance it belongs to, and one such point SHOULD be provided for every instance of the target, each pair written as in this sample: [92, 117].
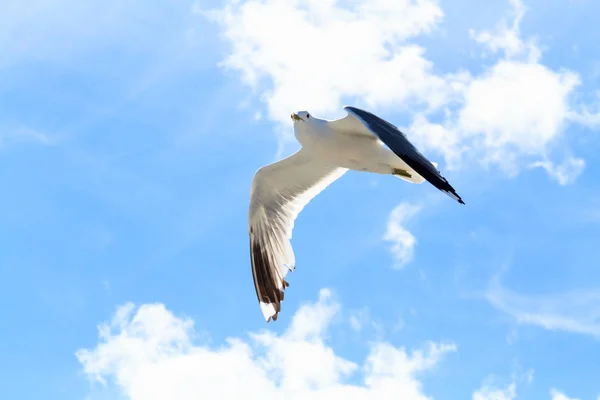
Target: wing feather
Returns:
[279, 192]
[403, 148]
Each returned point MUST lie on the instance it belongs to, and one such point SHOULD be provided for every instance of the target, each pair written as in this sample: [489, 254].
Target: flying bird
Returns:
[361, 141]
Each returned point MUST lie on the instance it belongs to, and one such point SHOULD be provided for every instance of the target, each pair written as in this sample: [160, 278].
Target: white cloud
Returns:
[507, 36]
[403, 242]
[518, 105]
[516, 108]
[149, 353]
[565, 173]
[577, 311]
[556, 395]
[322, 50]
[490, 392]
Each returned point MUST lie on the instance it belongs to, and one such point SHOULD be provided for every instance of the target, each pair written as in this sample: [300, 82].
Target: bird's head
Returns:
[302, 116]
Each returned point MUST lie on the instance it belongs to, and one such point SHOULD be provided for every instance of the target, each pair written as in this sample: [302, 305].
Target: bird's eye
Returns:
[307, 115]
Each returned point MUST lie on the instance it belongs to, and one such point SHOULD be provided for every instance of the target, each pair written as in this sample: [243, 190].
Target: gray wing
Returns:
[279, 192]
[403, 148]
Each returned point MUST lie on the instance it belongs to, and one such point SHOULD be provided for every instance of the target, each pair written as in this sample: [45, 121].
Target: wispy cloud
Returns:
[149, 353]
[556, 395]
[566, 172]
[403, 241]
[492, 389]
[575, 311]
[24, 134]
[506, 37]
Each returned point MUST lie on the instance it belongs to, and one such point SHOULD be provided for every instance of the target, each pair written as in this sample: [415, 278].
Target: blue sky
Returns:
[129, 136]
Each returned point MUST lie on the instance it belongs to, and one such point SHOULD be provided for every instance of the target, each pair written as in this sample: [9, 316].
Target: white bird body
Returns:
[346, 145]
[360, 141]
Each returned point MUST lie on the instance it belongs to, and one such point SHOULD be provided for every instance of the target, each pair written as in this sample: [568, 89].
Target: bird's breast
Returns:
[307, 136]
[339, 149]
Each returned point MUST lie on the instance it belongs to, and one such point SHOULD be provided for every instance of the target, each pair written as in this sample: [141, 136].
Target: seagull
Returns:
[361, 141]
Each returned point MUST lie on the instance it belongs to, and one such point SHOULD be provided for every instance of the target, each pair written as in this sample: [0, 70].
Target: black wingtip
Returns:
[458, 198]
[453, 195]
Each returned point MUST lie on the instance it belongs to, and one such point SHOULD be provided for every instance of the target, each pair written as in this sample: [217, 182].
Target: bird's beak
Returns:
[295, 117]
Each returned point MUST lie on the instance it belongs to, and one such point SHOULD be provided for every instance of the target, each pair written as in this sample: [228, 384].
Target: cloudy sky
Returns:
[129, 135]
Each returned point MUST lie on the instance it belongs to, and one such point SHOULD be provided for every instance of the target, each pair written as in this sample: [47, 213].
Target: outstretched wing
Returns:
[279, 192]
[403, 148]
